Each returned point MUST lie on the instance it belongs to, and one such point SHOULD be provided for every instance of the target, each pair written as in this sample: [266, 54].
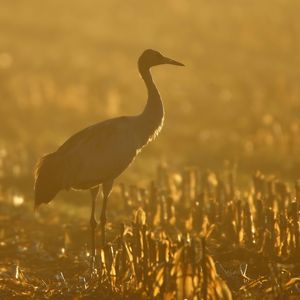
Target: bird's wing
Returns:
[98, 153]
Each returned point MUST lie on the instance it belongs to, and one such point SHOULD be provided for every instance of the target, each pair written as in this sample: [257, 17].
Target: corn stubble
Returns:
[194, 235]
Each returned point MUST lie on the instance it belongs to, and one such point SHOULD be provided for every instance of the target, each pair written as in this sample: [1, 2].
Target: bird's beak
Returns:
[172, 62]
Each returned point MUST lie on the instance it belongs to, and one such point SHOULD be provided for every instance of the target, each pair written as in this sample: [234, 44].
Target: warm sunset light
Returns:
[149, 149]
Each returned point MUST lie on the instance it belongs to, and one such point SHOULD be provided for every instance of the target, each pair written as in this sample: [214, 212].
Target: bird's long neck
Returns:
[153, 114]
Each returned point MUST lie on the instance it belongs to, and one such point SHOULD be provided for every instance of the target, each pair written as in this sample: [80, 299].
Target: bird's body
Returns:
[99, 141]
[98, 154]
[94, 155]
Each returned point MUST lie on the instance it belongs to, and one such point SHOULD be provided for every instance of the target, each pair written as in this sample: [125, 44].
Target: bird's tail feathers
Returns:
[48, 179]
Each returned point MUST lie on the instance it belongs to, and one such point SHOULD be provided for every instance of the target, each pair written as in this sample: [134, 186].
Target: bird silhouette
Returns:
[96, 155]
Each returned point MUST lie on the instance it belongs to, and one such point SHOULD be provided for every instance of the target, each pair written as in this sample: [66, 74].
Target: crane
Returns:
[96, 155]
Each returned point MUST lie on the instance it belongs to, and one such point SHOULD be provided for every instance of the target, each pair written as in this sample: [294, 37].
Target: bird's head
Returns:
[151, 58]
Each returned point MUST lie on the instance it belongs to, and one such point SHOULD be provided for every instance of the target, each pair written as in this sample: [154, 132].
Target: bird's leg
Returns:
[93, 224]
[107, 187]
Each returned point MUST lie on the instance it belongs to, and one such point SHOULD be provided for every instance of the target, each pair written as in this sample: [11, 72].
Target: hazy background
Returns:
[67, 64]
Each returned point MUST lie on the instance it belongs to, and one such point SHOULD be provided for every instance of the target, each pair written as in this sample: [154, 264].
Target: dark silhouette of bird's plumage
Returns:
[92, 156]
[98, 154]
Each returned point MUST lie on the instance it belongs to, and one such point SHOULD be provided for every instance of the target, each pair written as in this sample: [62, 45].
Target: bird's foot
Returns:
[95, 266]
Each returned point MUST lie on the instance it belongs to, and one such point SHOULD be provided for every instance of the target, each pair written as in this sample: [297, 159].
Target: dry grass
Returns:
[193, 235]
[67, 64]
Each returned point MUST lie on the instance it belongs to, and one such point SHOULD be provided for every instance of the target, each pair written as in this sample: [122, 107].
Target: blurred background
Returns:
[67, 64]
